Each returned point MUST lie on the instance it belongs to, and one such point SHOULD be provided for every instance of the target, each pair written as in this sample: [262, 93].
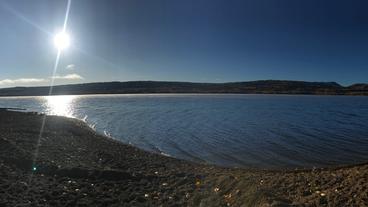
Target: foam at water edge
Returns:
[165, 154]
[85, 118]
[106, 133]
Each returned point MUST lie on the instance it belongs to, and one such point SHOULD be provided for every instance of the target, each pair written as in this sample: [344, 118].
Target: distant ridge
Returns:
[250, 87]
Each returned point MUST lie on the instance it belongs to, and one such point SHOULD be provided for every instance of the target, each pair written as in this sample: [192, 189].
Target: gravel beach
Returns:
[72, 165]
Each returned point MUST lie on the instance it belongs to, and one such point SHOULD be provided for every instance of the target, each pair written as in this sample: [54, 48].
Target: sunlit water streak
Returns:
[59, 105]
[231, 130]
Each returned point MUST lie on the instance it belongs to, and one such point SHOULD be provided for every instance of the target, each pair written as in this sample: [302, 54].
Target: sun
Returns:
[62, 41]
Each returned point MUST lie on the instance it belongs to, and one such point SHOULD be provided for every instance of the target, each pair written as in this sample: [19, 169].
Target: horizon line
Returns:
[173, 81]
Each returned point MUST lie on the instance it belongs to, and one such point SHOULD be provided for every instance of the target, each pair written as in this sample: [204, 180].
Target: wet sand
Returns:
[72, 165]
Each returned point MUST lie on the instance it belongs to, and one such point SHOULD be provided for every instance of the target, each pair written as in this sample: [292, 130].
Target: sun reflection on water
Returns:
[59, 105]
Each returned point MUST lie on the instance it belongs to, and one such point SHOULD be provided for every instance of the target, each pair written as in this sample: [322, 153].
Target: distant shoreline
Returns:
[164, 87]
[184, 94]
[77, 166]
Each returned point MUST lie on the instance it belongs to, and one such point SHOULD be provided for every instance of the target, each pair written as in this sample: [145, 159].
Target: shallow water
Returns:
[262, 131]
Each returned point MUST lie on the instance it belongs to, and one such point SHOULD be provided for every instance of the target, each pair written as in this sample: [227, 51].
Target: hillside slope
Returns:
[251, 87]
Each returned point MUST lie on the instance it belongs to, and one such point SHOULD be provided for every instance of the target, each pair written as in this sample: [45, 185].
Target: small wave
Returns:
[85, 118]
[93, 126]
[106, 133]
[165, 154]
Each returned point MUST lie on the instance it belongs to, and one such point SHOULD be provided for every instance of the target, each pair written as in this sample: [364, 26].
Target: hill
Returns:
[250, 87]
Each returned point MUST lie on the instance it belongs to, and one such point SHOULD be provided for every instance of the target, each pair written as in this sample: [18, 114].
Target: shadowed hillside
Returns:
[251, 87]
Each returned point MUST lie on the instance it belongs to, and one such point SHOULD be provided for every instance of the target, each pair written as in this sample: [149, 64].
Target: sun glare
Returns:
[62, 41]
[60, 105]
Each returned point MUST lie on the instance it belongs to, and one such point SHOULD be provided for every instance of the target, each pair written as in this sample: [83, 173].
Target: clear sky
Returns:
[185, 40]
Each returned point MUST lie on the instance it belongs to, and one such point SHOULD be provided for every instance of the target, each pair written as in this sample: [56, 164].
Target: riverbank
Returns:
[72, 165]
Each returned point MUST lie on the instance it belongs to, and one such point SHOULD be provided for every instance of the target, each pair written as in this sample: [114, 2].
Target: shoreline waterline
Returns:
[232, 131]
[287, 169]
[73, 156]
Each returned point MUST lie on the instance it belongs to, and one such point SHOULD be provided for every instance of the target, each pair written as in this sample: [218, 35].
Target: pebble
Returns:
[24, 183]
[187, 195]
[228, 196]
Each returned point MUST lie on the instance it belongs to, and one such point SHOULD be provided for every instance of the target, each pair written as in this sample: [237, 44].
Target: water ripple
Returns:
[264, 131]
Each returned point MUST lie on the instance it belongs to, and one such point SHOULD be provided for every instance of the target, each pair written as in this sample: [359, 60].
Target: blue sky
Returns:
[192, 40]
